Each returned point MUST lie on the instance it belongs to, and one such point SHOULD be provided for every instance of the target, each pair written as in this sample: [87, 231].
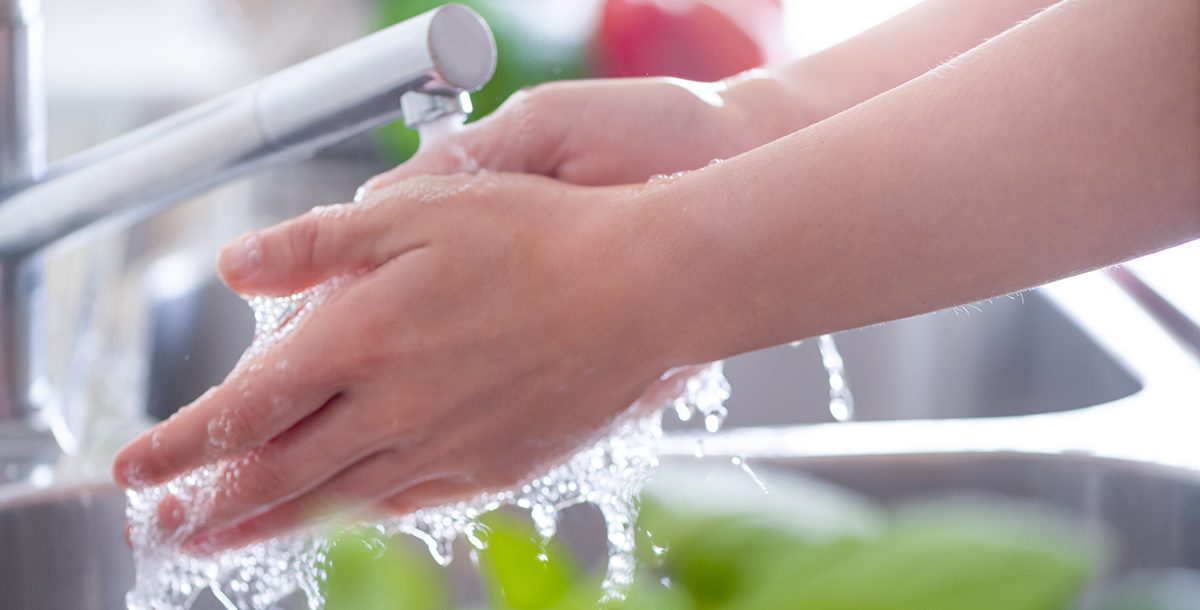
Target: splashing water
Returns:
[740, 462]
[608, 474]
[841, 401]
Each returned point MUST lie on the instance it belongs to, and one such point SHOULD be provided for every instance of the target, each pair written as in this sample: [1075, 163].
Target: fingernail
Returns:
[361, 193]
[241, 258]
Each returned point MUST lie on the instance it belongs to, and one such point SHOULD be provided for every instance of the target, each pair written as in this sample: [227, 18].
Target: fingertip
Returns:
[128, 471]
[240, 260]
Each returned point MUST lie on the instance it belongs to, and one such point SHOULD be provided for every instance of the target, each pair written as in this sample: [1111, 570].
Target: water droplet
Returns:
[841, 401]
[713, 421]
[740, 462]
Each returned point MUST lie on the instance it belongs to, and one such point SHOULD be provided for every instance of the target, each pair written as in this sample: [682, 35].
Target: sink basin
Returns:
[1150, 510]
[1008, 357]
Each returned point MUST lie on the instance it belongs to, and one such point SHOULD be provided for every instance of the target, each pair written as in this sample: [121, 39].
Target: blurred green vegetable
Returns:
[366, 574]
[521, 573]
[730, 551]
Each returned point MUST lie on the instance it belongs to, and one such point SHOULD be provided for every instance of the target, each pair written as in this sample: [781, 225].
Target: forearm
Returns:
[1068, 143]
[813, 88]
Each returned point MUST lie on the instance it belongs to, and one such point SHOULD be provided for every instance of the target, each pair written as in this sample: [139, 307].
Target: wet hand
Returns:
[599, 132]
[495, 323]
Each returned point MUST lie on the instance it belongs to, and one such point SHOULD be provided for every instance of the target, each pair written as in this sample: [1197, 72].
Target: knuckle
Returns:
[231, 430]
[539, 98]
[304, 238]
[261, 483]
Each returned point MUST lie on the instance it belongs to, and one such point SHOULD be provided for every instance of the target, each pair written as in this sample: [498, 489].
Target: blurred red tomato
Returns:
[702, 40]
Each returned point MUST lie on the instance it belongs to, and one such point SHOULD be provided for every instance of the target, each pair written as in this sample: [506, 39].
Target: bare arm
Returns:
[1069, 143]
[820, 85]
[626, 130]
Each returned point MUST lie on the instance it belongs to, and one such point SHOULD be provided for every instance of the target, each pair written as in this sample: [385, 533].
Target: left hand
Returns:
[499, 323]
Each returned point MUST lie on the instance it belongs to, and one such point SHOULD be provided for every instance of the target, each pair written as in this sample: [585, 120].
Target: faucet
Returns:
[420, 70]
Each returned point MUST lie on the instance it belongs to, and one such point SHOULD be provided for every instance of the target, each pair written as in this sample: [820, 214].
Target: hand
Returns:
[496, 324]
[606, 132]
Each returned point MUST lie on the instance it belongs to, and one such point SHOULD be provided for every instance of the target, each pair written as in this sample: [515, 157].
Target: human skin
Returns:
[501, 320]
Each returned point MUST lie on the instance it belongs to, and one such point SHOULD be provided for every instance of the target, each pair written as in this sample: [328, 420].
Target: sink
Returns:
[1150, 510]
[1008, 357]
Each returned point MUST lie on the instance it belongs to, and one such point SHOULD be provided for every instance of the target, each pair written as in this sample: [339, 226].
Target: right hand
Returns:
[597, 132]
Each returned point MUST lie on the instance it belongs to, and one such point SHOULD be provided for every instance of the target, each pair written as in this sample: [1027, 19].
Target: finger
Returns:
[337, 436]
[429, 494]
[464, 153]
[309, 249]
[525, 135]
[303, 512]
[264, 396]
[367, 485]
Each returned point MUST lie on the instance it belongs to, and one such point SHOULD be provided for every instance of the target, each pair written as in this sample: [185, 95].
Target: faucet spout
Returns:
[287, 116]
[22, 93]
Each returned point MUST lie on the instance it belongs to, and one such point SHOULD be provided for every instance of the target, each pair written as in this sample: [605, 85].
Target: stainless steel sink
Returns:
[1151, 511]
[1011, 356]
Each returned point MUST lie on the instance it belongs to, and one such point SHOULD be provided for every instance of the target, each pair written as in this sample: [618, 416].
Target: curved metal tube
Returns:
[23, 94]
[287, 116]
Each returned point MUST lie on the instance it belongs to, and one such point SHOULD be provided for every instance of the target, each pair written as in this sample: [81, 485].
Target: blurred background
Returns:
[117, 64]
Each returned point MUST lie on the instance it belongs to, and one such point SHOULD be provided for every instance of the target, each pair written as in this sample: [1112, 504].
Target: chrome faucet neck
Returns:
[287, 116]
[21, 11]
[22, 94]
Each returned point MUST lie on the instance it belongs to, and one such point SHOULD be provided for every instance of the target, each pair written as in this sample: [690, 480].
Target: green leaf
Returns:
[521, 573]
[943, 560]
[364, 573]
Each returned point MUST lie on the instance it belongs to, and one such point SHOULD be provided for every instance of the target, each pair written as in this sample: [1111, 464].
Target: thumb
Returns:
[461, 153]
[525, 135]
[307, 250]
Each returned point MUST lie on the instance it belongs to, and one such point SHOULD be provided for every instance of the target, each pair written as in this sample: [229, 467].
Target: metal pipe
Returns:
[22, 94]
[287, 116]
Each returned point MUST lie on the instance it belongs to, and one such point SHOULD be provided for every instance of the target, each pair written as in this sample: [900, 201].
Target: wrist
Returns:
[766, 105]
[677, 269]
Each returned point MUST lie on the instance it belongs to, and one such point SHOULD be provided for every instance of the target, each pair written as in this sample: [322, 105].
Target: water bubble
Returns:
[713, 421]
[663, 178]
[545, 520]
[220, 430]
